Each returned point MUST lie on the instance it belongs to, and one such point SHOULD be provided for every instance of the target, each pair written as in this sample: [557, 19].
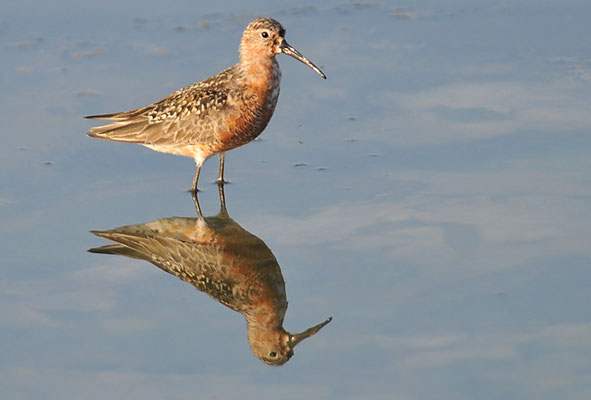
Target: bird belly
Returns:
[198, 151]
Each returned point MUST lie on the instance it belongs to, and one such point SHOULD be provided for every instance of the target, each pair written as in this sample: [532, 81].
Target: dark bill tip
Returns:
[290, 51]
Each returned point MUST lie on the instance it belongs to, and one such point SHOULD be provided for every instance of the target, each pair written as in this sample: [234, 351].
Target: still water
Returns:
[220, 258]
[432, 196]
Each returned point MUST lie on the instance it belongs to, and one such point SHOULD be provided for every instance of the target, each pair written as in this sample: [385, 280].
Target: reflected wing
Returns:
[204, 265]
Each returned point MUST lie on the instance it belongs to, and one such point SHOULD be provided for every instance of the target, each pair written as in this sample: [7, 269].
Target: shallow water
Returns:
[432, 196]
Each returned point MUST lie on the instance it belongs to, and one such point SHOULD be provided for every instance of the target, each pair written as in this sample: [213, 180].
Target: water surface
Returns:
[432, 195]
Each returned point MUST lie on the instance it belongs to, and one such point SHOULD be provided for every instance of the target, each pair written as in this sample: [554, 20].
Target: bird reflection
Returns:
[220, 258]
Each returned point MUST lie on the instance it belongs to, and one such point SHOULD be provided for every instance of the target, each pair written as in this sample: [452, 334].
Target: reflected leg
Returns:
[196, 177]
[223, 210]
[221, 168]
[197, 206]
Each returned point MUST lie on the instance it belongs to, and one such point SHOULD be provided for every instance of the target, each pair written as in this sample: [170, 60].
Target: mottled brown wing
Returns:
[200, 264]
[193, 250]
[185, 117]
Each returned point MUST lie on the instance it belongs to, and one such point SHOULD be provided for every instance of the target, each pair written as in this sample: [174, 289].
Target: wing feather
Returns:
[183, 117]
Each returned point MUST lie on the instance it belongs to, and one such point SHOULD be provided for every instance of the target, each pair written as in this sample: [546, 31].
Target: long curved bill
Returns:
[298, 337]
[290, 51]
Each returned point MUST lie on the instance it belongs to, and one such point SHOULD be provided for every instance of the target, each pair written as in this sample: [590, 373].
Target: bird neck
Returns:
[258, 70]
[267, 310]
[271, 331]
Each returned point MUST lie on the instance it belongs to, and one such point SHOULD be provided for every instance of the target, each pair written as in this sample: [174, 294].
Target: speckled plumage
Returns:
[217, 114]
[219, 258]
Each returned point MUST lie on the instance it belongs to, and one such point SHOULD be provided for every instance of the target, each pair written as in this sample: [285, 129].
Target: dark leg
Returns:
[221, 168]
[223, 210]
[196, 202]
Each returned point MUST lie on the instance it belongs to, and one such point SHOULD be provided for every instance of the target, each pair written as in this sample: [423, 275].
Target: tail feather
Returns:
[120, 131]
[121, 248]
[118, 250]
[120, 116]
[103, 116]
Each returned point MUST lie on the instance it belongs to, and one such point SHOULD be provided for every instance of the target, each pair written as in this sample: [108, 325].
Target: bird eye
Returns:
[272, 354]
[265, 34]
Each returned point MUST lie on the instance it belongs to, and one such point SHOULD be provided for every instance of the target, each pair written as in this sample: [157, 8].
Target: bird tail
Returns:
[120, 116]
[127, 126]
[118, 249]
[120, 131]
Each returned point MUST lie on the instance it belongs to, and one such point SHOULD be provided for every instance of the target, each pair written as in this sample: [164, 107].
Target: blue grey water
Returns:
[433, 195]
